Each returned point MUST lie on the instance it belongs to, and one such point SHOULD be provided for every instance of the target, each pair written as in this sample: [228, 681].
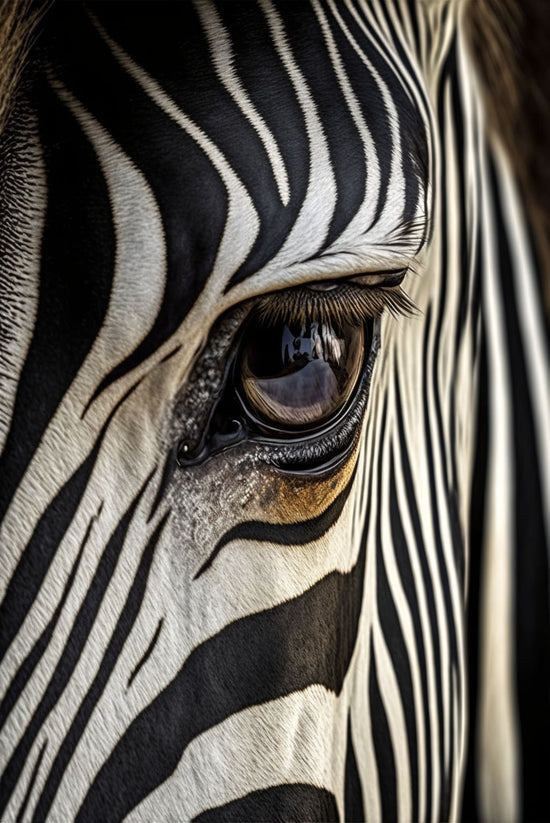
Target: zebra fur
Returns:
[229, 640]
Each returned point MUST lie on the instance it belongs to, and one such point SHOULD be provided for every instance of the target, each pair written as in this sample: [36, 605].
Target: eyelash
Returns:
[343, 303]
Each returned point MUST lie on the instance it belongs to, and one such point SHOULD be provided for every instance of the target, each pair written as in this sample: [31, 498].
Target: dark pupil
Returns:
[299, 375]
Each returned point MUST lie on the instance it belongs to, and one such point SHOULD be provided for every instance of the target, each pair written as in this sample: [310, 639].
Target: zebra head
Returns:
[243, 246]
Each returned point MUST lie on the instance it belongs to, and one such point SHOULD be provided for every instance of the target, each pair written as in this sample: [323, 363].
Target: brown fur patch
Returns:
[510, 41]
[289, 498]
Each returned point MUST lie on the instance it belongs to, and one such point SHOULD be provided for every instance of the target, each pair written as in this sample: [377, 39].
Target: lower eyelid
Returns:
[326, 452]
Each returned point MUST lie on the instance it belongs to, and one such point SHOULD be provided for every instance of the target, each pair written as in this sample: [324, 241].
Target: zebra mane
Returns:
[509, 41]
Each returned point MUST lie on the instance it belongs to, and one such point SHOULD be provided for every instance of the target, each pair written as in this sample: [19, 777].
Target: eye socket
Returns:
[298, 375]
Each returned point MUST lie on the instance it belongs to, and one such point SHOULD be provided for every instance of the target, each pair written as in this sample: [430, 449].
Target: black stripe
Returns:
[309, 639]
[393, 636]
[32, 781]
[448, 626]
[403, 561]
[284, 804]
[77, 259]
[347, 152]
[148, 651]
[296, 534]
[385, 760]
[30, 662]
[413, 14]
[48, 534]
[469, 270]
[532, 605]
[433, 325]
[466, 237]
[470, 804]
[449, 84]
[169, 465]
[449, 70]
[476, 302]
[189, 192]
[118, 639]
[455, 723]
[353, 793]
[171, 354]
[70, 656]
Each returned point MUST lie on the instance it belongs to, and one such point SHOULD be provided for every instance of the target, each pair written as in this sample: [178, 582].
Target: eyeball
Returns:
[299, 375]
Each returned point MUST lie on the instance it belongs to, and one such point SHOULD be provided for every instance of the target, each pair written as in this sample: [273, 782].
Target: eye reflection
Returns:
[299, 375]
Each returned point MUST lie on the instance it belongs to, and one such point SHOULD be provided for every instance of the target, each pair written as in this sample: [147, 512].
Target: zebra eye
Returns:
[298, 375]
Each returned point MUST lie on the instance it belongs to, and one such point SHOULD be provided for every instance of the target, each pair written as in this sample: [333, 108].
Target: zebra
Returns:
[231, 591]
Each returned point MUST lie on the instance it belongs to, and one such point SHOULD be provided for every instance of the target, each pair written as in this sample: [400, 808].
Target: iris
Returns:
[298, 375]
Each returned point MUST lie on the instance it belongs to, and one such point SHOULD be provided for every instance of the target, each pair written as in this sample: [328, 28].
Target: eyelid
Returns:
[388, 278]
[346, 302]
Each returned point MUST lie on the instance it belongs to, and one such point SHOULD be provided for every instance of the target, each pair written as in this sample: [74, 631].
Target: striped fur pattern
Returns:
[233, 639]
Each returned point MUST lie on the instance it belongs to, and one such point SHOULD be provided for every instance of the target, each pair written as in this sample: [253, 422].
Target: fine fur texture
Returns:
[345, 623]
[509, 40]
[19, 20]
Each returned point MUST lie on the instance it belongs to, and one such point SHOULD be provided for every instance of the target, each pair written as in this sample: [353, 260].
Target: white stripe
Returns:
[393, 207]
[242, 224]
[531, 319]
[364, 216]
[391, 700]
[498, 738]
[313, 221]
[223, 58]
